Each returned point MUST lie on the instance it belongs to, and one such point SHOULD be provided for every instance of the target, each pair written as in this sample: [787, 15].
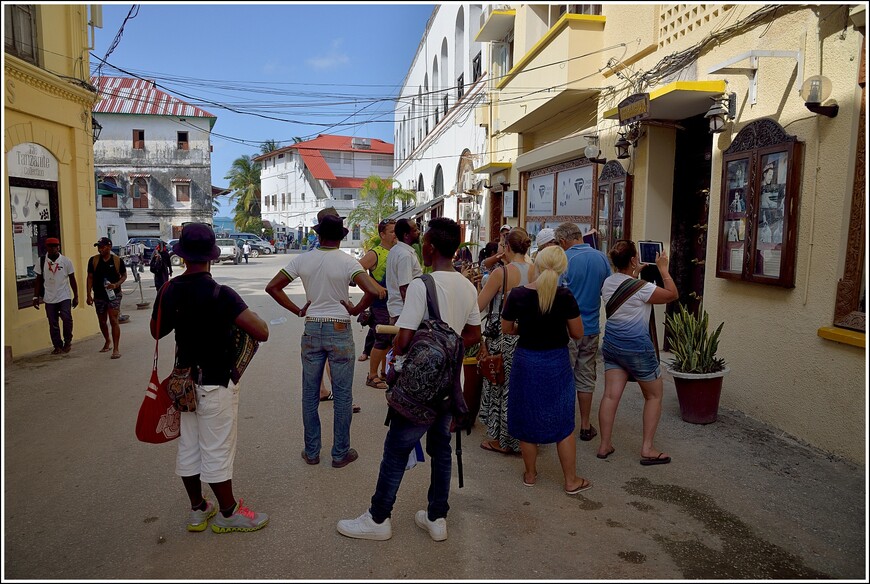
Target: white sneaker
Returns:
[437, 529]
[364, 527]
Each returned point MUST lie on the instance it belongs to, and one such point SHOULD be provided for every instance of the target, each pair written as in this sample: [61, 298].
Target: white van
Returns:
[267, 247]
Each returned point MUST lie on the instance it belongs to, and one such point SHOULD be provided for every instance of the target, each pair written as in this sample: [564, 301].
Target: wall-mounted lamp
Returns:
[622, 147]
[592, 150]
[814, 91]
[723, 110]
[97, 128]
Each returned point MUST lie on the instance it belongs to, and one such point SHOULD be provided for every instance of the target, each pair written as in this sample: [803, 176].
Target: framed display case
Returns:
[759, 202]
[559, 193]
[613, 218]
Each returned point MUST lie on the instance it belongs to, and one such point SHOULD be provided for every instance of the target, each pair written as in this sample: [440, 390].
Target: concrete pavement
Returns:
[85, 500]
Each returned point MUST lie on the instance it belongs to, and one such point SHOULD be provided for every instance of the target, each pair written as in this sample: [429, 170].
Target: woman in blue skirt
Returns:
[541, 408]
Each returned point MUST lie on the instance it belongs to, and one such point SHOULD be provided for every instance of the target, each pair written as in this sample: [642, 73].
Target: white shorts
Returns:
[207, 444]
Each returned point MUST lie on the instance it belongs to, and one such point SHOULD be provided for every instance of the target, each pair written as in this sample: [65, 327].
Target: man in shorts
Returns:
[106, 273]
[375, 261]
[587, 270]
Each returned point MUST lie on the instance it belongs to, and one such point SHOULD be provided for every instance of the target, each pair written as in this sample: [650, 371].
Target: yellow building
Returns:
[48, 166]
[763, 219]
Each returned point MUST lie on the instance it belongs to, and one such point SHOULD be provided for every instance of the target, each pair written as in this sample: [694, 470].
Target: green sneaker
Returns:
[242, 519]
[198, 520]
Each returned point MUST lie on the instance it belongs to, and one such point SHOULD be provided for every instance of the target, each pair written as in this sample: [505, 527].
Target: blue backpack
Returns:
[429, 382]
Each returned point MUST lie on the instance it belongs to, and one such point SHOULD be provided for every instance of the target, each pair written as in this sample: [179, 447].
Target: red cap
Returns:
[52, 241]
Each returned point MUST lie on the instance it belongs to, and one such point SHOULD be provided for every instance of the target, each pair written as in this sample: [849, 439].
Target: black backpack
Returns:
[429, 383]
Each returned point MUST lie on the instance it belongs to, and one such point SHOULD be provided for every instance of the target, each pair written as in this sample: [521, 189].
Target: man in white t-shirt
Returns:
[54, 277]
[326, 273]
[246, 250]
[402, 266]
[457, 303]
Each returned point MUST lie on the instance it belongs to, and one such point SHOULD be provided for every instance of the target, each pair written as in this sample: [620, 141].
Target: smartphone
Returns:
[648, 250]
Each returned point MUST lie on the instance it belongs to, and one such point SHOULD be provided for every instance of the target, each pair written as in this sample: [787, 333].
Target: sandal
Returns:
[363, 357]
[494, 446]
[376, 382]
[328, 397]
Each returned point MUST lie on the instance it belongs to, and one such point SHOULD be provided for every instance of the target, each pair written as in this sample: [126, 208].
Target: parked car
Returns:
[150, 246]
[257, 247]
[230, 251]
[266, 248]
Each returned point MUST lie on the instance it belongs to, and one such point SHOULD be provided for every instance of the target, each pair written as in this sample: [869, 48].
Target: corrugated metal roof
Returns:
[346, 183]
[316, 164]
[127, 95]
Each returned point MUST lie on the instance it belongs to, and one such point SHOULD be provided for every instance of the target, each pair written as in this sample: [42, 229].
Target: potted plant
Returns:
[696, 369]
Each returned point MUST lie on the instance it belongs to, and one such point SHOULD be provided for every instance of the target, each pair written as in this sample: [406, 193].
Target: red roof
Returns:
[335, 143]
[313, 159]
[346, 183]
[126, 95]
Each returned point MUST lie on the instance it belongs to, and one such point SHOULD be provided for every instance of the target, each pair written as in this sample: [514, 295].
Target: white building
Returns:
[299, 180]
[438, 139]
[157, 148]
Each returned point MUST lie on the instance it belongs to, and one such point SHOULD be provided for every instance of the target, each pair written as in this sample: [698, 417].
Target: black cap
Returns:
[103, 241]
[331, 227]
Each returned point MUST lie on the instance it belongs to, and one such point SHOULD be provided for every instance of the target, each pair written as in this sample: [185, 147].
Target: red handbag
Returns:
[158, 421]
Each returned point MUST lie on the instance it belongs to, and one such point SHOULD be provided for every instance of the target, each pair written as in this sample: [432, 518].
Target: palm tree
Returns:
[378, 197]
[269, 146]
[244, 177]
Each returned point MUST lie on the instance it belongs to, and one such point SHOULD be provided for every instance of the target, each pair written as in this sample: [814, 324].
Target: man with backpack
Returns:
[455, 302]
[106, 273]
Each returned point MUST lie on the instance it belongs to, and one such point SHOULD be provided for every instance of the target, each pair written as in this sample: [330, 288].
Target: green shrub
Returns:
[691, 343]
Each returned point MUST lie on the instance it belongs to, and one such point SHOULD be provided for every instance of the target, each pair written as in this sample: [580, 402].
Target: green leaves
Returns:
[378, 199]
[693, 347]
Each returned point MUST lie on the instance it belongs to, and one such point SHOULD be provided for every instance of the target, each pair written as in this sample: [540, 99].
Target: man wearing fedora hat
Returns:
[54, 277]
[202, 313]
[326, 273]
[106, 273]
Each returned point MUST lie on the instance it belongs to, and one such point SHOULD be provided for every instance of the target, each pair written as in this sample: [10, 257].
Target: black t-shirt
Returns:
[105, 270]
[202, 323]
[540, 332]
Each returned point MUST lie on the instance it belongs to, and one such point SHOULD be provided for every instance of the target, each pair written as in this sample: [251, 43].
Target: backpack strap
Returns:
[625, 291]
[431, 297]
[115, 259]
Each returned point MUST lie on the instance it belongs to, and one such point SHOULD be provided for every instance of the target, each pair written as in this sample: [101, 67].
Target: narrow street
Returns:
[85, 500]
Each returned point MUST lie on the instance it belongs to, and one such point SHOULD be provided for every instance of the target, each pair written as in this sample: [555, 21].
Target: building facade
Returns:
[299, 180]
[604, 115]
[157, 149]
[438, 140]
[48, 169]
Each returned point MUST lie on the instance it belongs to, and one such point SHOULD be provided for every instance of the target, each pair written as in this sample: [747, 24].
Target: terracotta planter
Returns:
[698, 394]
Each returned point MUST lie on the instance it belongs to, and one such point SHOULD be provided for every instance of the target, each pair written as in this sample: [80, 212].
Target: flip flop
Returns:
[363, 357]
[491, 446]
[584, 486]
[376, 382]
[356, 409]
[116, 355]
[529, 484]
[105, 349]
[328, 397]
[603, 456]
[650, 460]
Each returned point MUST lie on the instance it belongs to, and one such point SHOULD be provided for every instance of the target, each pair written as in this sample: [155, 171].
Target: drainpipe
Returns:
[816, 177]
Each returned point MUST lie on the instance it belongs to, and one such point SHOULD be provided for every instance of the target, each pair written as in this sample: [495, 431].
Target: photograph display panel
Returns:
[771, 213]
[734, 223]
[574, 191]
[540, 195]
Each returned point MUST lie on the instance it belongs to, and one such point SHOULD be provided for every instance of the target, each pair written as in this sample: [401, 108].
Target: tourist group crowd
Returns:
[540, 315]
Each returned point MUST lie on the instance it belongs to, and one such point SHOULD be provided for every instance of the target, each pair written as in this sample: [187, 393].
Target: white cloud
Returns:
[333, 58]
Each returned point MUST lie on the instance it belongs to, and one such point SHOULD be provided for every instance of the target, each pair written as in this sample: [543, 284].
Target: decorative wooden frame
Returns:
[761, 146]
[554, 218]
[612, 178]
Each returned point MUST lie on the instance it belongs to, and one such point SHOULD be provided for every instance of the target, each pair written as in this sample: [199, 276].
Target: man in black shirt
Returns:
[202, 313]
[106, 273]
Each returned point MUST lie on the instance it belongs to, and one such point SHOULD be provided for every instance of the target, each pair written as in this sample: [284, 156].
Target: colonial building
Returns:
[734, 134]
[438, 140]
[48, 164]
[157, 149]
[299, 180]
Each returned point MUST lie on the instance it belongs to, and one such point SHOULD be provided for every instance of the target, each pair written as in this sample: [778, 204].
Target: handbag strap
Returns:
[159, 311]
[501, 300]
[626, 290]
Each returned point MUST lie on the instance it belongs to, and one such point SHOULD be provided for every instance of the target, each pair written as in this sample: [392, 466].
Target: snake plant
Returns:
[691, 343]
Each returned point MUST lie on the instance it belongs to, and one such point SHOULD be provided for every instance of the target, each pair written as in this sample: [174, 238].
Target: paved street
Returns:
[85, 500]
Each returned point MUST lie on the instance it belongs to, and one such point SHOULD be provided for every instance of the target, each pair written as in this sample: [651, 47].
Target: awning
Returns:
[105, 189]
[492, 168]
[180, 180]
[139, 175]
[679, 100]
[567, 148]
[415, 212]
[496, 27]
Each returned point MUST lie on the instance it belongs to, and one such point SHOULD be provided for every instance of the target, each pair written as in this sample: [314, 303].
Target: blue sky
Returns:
[305, 64]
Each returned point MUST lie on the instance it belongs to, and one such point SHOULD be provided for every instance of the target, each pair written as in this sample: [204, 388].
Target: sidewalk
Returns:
[85, 500]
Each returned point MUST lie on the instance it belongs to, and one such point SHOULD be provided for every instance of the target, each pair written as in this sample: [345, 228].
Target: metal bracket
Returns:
[753, 57]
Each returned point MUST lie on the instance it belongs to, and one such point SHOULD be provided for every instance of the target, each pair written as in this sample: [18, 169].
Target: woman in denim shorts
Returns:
[628, 349]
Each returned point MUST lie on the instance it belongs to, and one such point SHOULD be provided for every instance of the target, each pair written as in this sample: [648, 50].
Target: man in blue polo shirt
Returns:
[587, 270]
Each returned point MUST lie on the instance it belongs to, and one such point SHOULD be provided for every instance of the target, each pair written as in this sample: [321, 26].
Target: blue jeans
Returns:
[322, 341]
[62, 309]
[400, 440]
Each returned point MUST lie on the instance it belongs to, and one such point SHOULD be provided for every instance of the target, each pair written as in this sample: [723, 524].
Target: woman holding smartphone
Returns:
[628, 349]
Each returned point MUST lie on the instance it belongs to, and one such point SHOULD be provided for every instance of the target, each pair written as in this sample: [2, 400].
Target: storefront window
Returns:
[759, 201]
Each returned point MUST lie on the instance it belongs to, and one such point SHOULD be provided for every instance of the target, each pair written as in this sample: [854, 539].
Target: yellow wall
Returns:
[782, 372]
[43, 108]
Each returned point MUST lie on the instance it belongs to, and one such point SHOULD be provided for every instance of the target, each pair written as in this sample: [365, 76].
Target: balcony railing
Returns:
[460, 87]
[446, 103]
[476, 67]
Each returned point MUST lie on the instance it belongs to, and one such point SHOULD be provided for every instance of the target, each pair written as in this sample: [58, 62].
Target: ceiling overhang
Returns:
[679, 100]
[497, 26]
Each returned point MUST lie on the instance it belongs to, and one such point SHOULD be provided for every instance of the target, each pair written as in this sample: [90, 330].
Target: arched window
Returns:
[445, 78]
[438, 188]
[109, 201]
[459, 53]
[421, 186]
[435, 88]
[140, 193]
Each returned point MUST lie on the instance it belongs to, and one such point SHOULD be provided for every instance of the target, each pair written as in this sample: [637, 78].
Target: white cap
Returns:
[505, 226]
[545, 236]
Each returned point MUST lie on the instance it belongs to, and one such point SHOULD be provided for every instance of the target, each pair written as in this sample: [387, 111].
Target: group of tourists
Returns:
[542, 317]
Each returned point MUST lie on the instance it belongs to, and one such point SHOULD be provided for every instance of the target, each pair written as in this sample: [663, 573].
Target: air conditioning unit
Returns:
[466, 212]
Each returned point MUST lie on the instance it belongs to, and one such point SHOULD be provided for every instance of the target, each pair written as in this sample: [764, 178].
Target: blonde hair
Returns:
[550, 262]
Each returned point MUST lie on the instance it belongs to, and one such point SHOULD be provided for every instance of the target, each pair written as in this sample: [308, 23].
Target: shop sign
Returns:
[633, 108]
[31, 161]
